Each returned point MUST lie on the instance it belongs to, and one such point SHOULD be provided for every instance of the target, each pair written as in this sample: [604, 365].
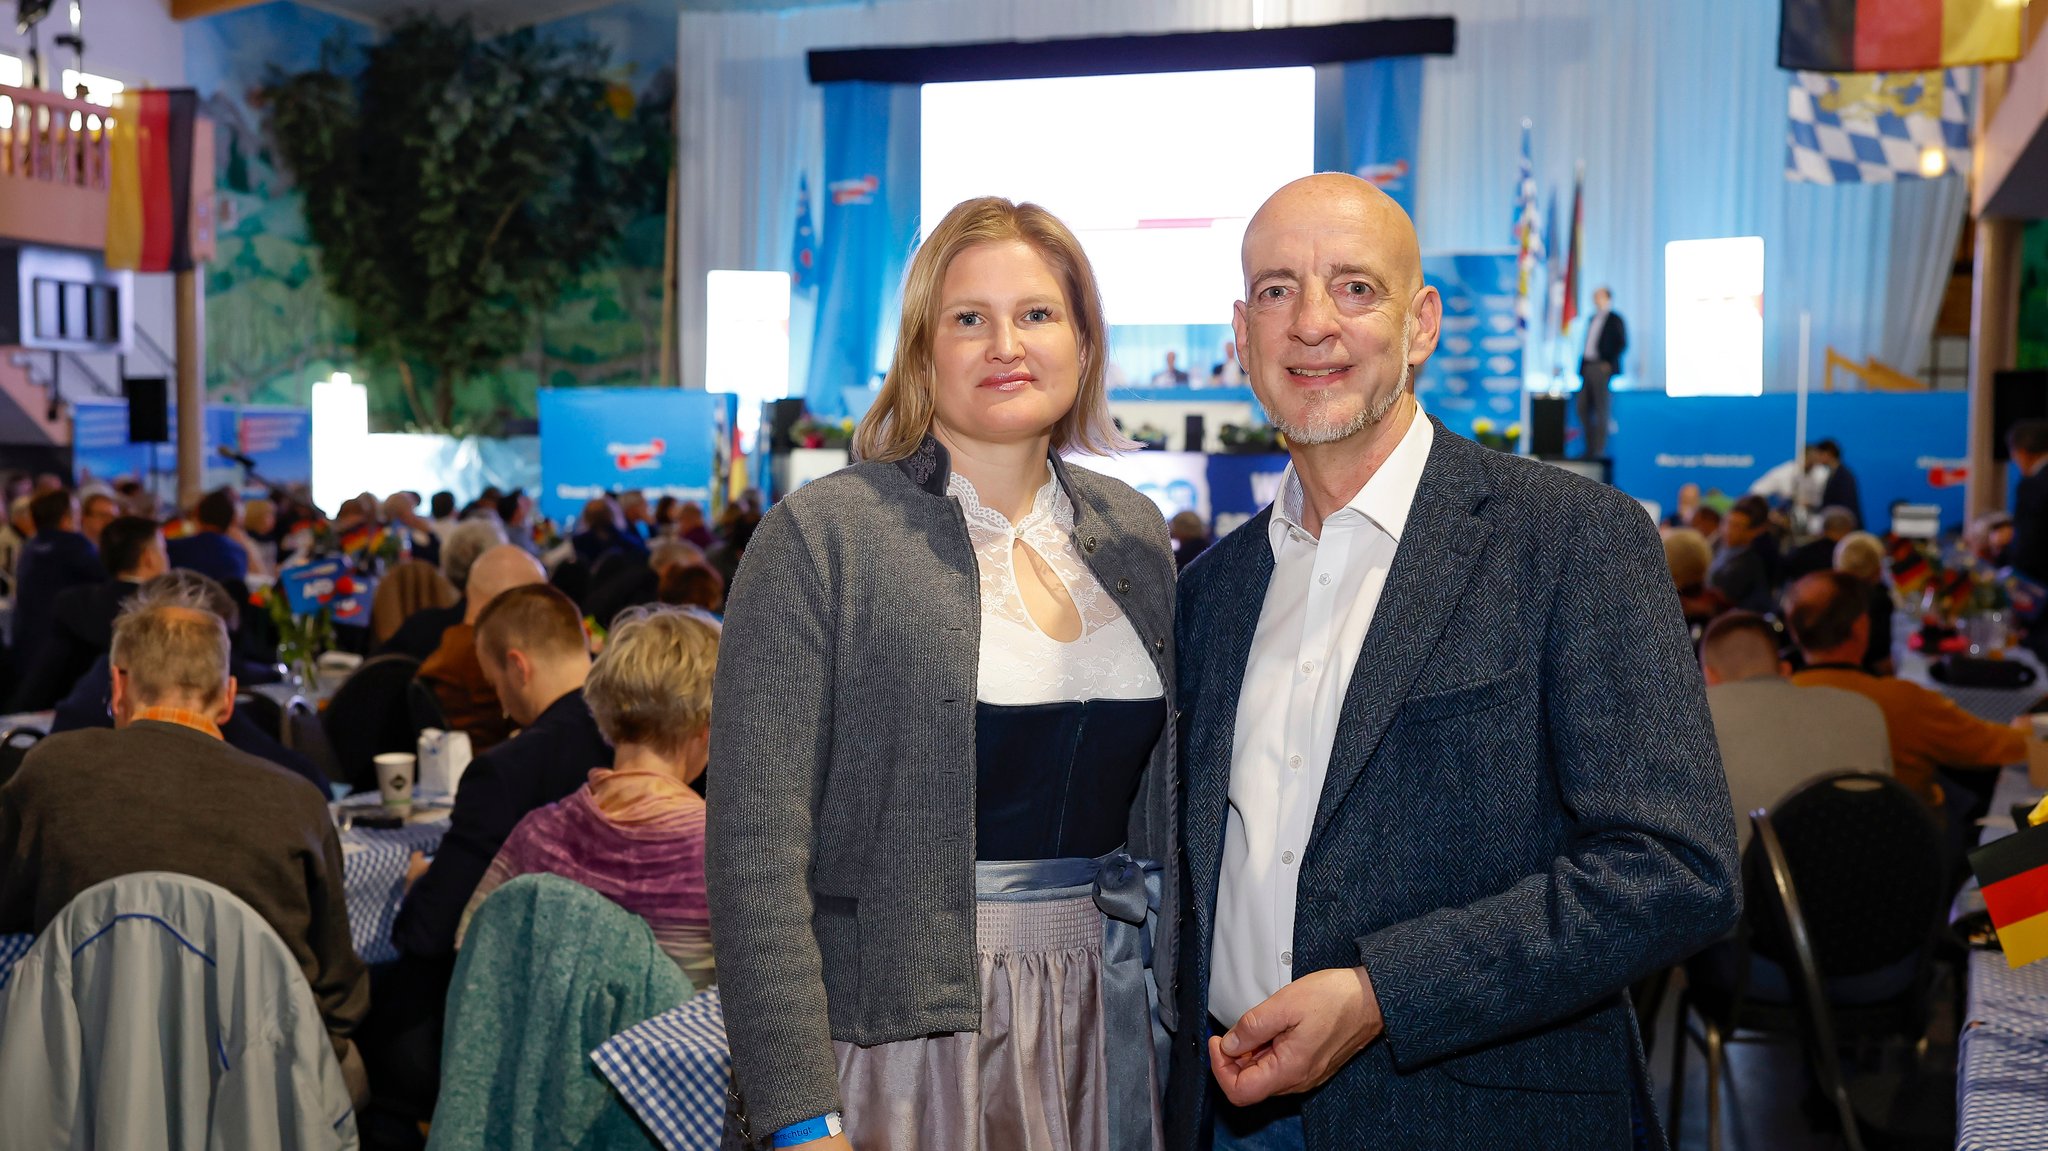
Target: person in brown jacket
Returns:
[468, 701]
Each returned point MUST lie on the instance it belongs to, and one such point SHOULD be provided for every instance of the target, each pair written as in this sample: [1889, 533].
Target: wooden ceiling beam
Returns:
[194, 9]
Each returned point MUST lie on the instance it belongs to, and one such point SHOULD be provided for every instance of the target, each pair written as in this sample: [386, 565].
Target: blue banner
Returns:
[1369, 123]
[329, 583]
[1239, 485]
[869, 222]
[1902, 446]
[278, 441]
[662, 441]
[1476, 372]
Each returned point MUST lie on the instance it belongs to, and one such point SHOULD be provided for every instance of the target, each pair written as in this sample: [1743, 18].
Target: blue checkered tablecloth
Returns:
[373, 878]
[2002, 1067]
[12, 948]
[672, 1071]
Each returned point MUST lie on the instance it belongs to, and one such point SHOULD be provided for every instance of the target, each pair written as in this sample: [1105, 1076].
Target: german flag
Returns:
[2013, 872]
[149, 185]
[1896, 35]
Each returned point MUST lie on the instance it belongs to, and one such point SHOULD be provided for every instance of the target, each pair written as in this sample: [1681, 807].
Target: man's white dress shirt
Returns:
[1311, 628]
[1593, 327]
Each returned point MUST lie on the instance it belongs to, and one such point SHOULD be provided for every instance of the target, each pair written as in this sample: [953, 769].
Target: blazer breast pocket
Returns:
[1466, 699]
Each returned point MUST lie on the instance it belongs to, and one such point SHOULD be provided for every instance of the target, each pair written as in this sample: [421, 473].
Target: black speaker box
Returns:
[1546, 426]
[149, 410]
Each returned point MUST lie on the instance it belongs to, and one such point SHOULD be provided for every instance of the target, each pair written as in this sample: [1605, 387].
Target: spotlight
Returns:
[1933, 162]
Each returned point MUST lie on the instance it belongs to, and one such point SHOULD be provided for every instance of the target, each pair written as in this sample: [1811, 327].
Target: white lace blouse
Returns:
[1019, 663]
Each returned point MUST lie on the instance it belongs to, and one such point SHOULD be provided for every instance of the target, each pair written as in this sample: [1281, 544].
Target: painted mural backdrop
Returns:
[272, 328]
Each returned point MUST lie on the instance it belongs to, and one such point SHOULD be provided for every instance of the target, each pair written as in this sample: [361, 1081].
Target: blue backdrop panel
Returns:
[1477, 369]
[1894, 442]
[662, 441]
[1369, 122]
[1239, 485]
[280, 440]
[870, 218]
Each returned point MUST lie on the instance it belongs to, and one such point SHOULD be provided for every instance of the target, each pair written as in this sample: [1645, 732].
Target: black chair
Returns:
[369, 716]
[263, 711]
[1870, 862]
[301, 731]
[424, 707]
[14, 745]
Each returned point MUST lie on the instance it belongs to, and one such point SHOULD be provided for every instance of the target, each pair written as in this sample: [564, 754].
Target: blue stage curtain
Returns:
[1369, 122]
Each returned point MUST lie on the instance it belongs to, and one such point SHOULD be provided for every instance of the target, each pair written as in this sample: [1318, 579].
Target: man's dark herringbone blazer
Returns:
[1524, 812]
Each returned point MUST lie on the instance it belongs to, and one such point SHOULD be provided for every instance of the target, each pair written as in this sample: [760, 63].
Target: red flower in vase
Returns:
[344, 586]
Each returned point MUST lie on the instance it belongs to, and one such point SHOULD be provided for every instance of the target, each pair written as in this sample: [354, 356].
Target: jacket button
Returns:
[1088, 544]
[1123, 587]
[1158, 645]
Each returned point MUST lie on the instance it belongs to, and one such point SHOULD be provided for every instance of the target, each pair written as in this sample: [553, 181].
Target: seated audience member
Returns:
[260, 526]
[59, 557]
[1773, 734]
[515, 511]
[162, 792]
[1989, 539]
[1707, 521]
[1742, 571]
[1190, 536]
[441, 513]
[468, 698]
[638, 516]
[97, 509]
[421, 632]
[1828, 614]
[635, 832]
[1818, 554]
[14, 536]
[627, 581]
[90, 702]
[736, 530]
[1689, 556]
[213, 551]
[1687, 506]
[693, 585]
[604, 532]
[690, 527]
[1862, 555]
[82, 619]
[531, 643]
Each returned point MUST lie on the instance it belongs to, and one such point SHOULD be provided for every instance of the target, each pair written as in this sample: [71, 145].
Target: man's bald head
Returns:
[1828, 614]
[497, 571]
[1336, 199]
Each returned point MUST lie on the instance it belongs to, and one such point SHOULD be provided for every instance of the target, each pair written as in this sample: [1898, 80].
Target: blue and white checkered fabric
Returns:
[12, 948]
[672, 1071]
[2002, 1067]
[1871, 127]
[373, 879]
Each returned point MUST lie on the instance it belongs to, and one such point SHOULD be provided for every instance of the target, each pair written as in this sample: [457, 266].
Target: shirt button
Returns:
[1324, 579]
[1287, 959]
[1308, 665]
[1287, 857]
[1294, 761]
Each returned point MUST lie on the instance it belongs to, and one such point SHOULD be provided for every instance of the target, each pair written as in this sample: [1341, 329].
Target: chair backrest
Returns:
[548, 971]
[425, 707]
[368, 716]
[158, 1010]
[14, 745]
[405, 589]
[263, 711]
[1868, 858]
[304, 733]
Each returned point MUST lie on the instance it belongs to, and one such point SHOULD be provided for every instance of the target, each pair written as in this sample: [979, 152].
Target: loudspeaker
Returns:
[1546, 426]
[149, 409]
[782, 416]
[1197, 432]
[2015, 396]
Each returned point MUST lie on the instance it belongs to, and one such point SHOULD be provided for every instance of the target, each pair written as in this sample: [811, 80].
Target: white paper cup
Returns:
[455, 753]
[394, 780]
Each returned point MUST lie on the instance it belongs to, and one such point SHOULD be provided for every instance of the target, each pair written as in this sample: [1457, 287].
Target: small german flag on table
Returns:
[2013, 873]
[1897, 35]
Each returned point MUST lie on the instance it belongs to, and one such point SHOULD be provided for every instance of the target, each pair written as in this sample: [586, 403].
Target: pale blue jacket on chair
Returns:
[160, 1011]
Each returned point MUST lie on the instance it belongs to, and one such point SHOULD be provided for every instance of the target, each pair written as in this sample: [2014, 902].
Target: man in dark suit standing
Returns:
[1841, 490]
[1450, 779]
[1606, 341]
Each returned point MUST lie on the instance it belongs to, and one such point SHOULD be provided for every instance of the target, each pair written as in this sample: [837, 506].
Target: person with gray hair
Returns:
[1818, 553]
[161, 791]
[422, 631]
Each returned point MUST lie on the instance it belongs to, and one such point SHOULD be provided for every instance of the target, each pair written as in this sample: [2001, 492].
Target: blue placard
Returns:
[1476, 371]
[662, 441]
[310, 586]
[1239, 485]
[278, 440]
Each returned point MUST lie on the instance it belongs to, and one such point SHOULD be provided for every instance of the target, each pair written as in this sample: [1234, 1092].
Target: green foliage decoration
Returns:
[455, 186]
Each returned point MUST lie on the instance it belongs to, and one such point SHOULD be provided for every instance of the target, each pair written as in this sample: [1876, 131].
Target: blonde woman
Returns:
[941, 761]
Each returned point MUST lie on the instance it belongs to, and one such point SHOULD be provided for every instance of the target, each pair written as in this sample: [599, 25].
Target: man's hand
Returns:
[415, 867]
[1299, 1037]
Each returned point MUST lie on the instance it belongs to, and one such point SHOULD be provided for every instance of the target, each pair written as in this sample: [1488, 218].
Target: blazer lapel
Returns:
[1438, 546]
[1224, 634]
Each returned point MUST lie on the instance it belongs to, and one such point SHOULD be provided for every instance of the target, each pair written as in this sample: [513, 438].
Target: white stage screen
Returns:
[1714, 317]
[1157, 174]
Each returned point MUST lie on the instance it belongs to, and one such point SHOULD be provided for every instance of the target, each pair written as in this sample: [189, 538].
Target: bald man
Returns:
[455, 675]
[1450, 779]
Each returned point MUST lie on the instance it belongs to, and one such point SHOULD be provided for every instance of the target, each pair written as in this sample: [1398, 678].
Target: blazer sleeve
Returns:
[484, 816]
[771, 742]
[1645, 874]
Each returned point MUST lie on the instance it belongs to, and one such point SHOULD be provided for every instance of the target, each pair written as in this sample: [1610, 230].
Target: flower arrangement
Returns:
[811, 433]
[1151, 436]
[1946, 589]
[300, 638]
[1250, 438]
[374, 544]
[1500, 441]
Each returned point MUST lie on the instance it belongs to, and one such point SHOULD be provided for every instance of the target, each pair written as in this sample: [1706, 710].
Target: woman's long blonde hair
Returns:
[902, 414]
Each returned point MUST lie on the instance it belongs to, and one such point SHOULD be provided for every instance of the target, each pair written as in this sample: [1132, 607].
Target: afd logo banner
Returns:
[1902, 446]
[332, 584]
[663, 441]
[1476, 372]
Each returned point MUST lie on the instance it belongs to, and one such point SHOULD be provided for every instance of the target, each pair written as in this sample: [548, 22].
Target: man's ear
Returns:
[1427, 313]
[226, 710]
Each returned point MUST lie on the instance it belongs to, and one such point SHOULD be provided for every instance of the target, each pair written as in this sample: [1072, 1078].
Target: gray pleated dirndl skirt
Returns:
[1070, 1052]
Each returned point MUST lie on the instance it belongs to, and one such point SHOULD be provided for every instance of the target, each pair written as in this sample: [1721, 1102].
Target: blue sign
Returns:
[330, 583]
[661, 441]
[1241, 484]
[279, 441]
[1907, 447]
[1476, 372]
[1383, 124]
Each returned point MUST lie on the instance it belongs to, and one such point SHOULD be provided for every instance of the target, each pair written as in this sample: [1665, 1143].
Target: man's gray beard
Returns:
[1317, 428]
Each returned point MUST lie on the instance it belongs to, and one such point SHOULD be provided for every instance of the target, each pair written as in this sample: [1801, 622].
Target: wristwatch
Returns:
[823, 1127]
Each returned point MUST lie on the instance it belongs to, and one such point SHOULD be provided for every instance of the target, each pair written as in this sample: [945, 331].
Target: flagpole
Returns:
[1799, 416]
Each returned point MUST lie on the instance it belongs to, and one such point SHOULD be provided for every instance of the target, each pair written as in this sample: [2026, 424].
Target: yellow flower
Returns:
[1514, 431]
[1482, 426]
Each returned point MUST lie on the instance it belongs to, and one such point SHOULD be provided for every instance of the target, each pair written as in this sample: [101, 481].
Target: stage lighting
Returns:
[1933, 162]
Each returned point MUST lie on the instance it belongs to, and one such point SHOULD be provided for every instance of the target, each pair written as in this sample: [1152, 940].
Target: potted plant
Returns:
[1501, 441]
[1152, 437]
[811, 433]
[1250, 439]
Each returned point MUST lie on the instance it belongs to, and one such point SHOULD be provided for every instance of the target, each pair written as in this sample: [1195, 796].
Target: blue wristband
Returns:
[823, 1127]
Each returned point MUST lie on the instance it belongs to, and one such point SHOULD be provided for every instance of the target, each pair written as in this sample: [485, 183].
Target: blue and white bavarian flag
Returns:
[1875, 127]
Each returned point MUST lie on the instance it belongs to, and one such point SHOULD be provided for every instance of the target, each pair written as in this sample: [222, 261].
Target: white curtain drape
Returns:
[1677, 110]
